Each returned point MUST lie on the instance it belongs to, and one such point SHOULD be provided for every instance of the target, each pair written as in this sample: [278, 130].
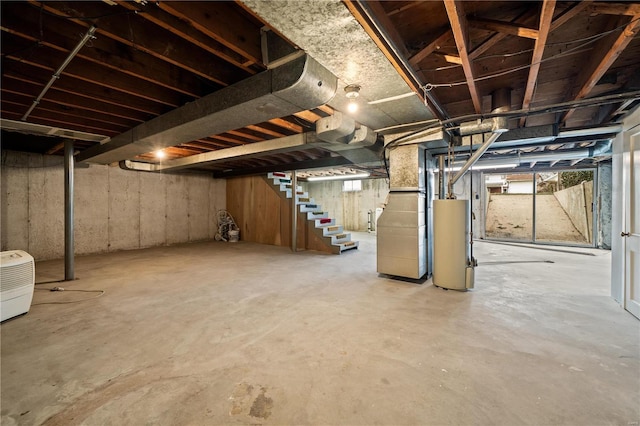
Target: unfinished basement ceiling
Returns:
[151, 58]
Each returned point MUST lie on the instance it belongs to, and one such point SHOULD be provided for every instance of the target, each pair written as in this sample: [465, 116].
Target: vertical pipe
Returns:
[69, 273]
[533, 219]
[294, 212]
[595, 209]
[441, 185]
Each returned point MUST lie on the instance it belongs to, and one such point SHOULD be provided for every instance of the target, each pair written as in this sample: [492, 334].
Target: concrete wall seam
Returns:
[114, 210]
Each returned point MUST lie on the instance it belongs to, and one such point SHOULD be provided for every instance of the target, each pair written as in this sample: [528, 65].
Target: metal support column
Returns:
[294, 212]
[69, 274]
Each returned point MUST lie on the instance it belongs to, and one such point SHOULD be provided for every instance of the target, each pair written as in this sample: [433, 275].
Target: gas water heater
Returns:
[452, 263]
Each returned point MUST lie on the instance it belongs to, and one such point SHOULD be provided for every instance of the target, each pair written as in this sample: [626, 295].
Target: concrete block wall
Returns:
[114, 210]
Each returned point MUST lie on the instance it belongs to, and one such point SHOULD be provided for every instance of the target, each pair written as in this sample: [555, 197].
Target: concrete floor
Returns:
[219, 333]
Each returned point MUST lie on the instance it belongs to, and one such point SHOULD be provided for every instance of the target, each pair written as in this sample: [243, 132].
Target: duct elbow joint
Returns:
[500, 125]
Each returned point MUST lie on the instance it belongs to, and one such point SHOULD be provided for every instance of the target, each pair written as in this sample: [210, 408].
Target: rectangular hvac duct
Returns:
[295, 86]
[401, 236]
[404, 237]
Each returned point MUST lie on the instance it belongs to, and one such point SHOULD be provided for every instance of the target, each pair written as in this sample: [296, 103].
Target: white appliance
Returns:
[17, 282]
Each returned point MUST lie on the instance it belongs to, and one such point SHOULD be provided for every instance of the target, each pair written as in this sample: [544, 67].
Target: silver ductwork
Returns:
[404, 225]
[298, 85]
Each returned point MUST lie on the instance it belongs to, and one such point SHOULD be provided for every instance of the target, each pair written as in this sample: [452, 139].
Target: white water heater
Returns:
[17, 281]
[451, 245]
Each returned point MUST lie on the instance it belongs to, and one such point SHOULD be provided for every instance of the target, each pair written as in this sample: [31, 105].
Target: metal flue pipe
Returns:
[474, 158]
[56, 75]
[501, 101]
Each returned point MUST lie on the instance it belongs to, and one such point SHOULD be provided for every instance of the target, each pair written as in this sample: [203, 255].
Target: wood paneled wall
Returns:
[264, 214]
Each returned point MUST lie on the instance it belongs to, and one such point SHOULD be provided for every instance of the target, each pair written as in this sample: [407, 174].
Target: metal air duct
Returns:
[295, 86]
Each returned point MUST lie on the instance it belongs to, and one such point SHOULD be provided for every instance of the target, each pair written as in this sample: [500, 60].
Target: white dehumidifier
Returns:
[17, 282]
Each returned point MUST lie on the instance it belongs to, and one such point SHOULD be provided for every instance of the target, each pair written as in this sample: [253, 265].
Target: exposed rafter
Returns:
[435, 44]
[181, 28]
[459, 26]
[149, 40]
[378, 10]
[226, 26]
[504, 27]
[610, 8]
[525, 18]
[546, 16]
[604, 55]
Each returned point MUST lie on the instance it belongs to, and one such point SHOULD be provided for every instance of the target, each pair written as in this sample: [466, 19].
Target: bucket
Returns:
[234, 235]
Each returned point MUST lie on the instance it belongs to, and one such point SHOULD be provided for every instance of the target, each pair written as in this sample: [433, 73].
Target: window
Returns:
[352, 185]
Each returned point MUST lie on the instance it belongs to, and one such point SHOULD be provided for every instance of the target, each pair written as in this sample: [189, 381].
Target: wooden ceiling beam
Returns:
[224, 138]
[47, 119]
[198, 144]
[524, 18]
[153, 13]
[26, 97]
[141, 35]
[389, 27]
[25, 21]
[504, 27]
[280, 122]
[326, 109]
[452, 59]
[213, 142]
[72, 100]
[309, 116]
[357, 11]
[221, 22]
[604, 54]
[403, 8]
[435, 44]
[568, 14]
[50, 60]
[245, 135]
[265, 131]
[459, 26]
[88, 92]
[609, 8]
[546, 17]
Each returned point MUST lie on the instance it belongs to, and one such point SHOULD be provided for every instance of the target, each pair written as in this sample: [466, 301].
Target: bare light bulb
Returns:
[161, 154]
[351, 92]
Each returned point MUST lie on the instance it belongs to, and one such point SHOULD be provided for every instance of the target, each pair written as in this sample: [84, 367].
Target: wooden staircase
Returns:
[324, 228]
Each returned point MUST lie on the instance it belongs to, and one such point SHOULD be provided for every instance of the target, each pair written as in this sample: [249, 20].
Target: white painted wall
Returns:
[114, 209]
[517, 187]
[349, 208]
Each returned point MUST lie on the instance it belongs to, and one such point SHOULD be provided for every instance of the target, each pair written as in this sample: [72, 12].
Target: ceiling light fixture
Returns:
[352, 92]
[160, 154]
[338, 177]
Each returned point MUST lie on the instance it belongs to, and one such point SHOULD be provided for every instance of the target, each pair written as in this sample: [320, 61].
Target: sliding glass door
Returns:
[509, 215]
[545, 207]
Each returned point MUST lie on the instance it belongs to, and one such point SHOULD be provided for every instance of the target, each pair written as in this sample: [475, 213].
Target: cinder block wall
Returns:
[114, 209]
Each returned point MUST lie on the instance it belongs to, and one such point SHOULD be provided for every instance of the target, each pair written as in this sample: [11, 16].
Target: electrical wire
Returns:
[563, 106]
[58, 289]
[91, 18]
[571, 51]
